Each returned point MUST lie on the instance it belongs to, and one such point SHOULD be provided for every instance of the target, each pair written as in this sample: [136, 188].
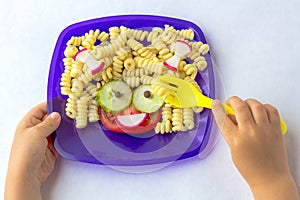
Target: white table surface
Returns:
[256, 47]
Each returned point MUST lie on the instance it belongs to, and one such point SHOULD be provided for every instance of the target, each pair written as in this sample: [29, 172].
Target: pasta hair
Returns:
[163, 127]
[132, 81]
[70, 51]
[137, 34]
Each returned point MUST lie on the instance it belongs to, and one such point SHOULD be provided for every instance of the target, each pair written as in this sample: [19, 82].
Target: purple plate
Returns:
[96, 144]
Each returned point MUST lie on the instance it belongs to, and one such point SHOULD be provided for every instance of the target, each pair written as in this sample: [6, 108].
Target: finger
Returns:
[49, 125]
[51, 147]
[258, 111]
[223, 121]
[273, 114]
[242, 112]
[34, 116]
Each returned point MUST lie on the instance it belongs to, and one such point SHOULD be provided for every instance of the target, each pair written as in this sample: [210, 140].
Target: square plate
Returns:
[96, 144]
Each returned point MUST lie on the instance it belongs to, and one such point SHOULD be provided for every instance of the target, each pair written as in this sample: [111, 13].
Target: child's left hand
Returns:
[32, 159]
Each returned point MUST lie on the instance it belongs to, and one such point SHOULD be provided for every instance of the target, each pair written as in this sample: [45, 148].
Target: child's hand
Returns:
[257, 148]
[32, 159]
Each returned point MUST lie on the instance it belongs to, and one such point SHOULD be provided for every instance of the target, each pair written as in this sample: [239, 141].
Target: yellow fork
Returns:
[183, 94]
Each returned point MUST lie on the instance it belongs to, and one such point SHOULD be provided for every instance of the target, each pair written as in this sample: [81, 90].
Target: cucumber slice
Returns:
[115, 96]
[146, 101]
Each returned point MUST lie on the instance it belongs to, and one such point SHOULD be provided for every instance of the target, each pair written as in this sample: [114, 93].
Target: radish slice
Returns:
[131, 121]
[172, 62]
[95, 66]
[81, 55]
[181, 49]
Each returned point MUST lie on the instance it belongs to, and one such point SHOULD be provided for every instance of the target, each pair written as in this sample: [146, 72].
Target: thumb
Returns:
[49, 125]
[219, 113]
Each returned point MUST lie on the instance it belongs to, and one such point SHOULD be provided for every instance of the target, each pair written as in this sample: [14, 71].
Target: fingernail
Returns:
[54, 116]
[215, 103]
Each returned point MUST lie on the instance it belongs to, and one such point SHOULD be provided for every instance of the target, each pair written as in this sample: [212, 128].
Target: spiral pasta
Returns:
[145, 79]
[165, 54]
[107, 74]
[77, 87]
[156, 31]
[114, 32]
[117, 67]
[129, 64]
[199, 61]
[135, 45]
[167, 112]
[76, 69]
[150, 65]
[85, 77]
[163, 127]
[169, 35]
[93, 111]
[137, 34]
[89, 41]
[132, 81]
[188, 118]
[75, 41]
[70, 51]
[71, 106]
[109, 50]
[161, 91]
[158, 44]
[190, 70]
[136, 72]
[146, 53]
[177, 120]
[82, 112]
[103, 36]
[186, 33]
[65, 81]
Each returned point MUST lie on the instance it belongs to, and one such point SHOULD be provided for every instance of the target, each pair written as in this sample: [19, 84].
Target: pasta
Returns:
[190, 70]
[136, 72]
[154, 34]
[137, 34]
[117, 67]
[163, 127]
[76, 69]
[71, 106]
[160, 90]
[132, 81]
[188, 118]
[89, 41]
[198, 60]
[129, 64]
[177, 120]
[137, 57]
[145, 79]
[75, 41]
[70, 51]
[82, 112]
[186, 33]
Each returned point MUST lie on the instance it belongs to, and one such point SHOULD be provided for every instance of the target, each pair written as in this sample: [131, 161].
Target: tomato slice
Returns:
[108, 120]
[146, 126]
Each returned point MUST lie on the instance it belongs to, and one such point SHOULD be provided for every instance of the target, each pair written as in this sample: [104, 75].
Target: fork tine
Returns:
[172, 80]
[172, 99]
[166, 85]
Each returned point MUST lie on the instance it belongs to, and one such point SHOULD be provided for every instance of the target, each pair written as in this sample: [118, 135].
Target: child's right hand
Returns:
[257, 148]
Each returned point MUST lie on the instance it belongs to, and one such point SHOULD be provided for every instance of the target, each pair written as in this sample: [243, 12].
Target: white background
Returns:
[256, 47]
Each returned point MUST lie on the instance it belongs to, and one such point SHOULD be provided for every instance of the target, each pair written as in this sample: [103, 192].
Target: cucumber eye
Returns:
[147, 94]
[118, 94]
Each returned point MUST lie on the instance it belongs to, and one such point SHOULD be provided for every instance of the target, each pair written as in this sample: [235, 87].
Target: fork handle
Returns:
[230, 111]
